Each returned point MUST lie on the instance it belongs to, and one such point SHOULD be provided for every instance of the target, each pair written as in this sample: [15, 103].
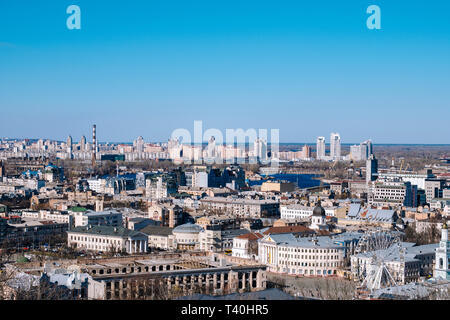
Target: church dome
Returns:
[319, 211]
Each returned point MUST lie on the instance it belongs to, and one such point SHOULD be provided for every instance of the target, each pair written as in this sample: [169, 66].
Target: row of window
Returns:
[308, 250]
[291, 256]
[91, 239]
[310, 264]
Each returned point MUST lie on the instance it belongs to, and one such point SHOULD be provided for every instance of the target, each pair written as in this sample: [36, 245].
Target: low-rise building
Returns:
[84, 217]
[297, 211]
[242, 207]
[107, 239]
[305, 256]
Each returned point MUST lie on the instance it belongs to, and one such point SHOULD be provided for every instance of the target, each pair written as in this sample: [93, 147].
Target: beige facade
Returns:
[277, 187]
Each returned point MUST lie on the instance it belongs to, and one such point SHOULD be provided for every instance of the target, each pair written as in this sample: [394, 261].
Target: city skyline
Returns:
[302, 68]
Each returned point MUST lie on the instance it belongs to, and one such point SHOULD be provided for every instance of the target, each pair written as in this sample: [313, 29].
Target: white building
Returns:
[320, 148]
[97, 185]
[242, 207]
[335, 146]
[319, 219]
[245, 244]
[298, 211]
[442, 265]
[156, 189]
[105, 239]
[307, 256]
[390, 193]
[260, 148]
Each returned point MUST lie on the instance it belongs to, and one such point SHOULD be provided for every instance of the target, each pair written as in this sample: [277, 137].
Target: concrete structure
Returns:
[169, 276]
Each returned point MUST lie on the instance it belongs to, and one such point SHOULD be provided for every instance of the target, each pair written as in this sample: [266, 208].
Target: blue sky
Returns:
[148, 67]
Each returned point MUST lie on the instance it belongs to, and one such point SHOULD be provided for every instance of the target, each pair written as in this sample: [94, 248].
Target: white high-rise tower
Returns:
[320, 148]
[335, 146]
[260, 149]
[211, 150]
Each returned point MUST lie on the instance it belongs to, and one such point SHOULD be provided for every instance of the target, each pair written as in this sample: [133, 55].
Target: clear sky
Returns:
[148, 67]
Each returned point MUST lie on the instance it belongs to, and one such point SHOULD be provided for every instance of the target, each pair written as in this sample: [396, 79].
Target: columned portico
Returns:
[136, 246]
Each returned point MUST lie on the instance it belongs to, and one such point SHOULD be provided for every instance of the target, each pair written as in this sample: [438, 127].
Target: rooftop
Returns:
[107, 231]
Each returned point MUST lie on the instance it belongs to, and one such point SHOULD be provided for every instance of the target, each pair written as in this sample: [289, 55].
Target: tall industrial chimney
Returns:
[94, 144]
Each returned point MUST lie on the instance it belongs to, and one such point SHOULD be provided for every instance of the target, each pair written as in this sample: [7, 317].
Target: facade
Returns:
[156, 189]
[414, 178]
[433, 188]
[187, 236]
[246, 245]
[299, 212]
[260, 149]
[320, 148]
[391, 193]
[242, 207]
[59, 217]
[169, 276]
[160, 187]
[94, 218]
[27, 231]
[335, 146]
[319, 219]
[273, 186]
[305, 256]
[167, 214]
[371, 169]
[106, 238]
[160, 237]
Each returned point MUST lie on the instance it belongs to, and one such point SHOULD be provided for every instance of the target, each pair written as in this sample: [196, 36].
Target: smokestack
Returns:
[94, 144]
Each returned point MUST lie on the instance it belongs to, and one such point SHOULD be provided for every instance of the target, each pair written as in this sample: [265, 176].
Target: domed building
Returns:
[187, 236]
[319, 218]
